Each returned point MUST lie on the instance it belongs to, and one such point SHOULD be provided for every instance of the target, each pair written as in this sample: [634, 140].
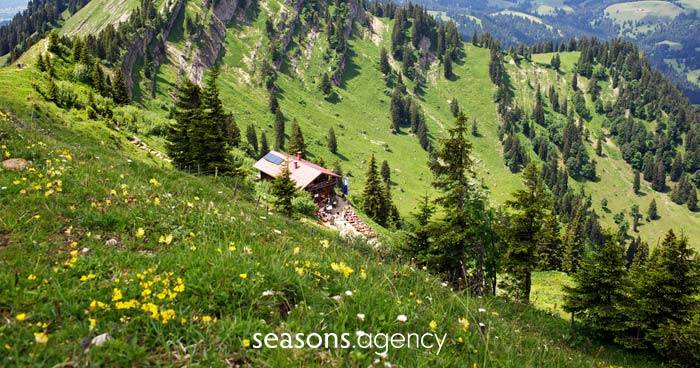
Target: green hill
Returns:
[102, 209]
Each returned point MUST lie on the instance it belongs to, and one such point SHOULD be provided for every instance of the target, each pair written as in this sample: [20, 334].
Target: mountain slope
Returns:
[243, 270]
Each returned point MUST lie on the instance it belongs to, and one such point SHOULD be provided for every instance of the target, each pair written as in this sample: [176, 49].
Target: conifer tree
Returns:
[459, 249]
[555, 62]
[676, 168]
[279, 130]
[475, 128]
[692, 200]
[636, 216]
[419, 242]
[454, 107]
[40, 63]
[284, 190]
[264, 146]
[252, 137]
[326, 86]
[98, 77]
[659, 182]
[273, 103]
[652, 212]
[574, 82]
[296, 141]
[532, 209]
[663, 295]
[386, 172]
[538, 111]
[384, 65]
[637, 182]
[398, 111]
[447, 66]
[373, 200]
[332, 143]
[574, 240]
[599, 147]
[551, 248]
[187, 112]
[120, 94]
[600, 289]
[210, 134]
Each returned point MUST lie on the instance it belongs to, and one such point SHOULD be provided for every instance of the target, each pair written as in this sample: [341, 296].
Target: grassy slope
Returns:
[105, 193]
[615, 175]
[96, 15]
[360, 113]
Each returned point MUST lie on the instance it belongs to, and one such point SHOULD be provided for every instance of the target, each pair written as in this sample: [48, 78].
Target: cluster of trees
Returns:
[646, 94]
[32, 24]
[203, 133]
[511, 116]
[641, 300]
[376, 197]
[405, 112]
[417, 37]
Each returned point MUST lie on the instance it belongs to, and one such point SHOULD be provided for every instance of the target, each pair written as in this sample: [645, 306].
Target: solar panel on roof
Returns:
[274, 158]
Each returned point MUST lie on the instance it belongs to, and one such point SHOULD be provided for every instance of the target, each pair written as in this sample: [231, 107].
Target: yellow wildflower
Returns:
[207, 319]
[116, 295]
[464, 322]
[41, 337]
[243, 276]
[21, 317]
[296, 250]
[165, 239]
[325, 243]
[246, 343]
[167, 315]
[31, 277]
[93, 323]
[150, 308]
[154, 183]
[433, 325]
[140, 232]
[342, 268]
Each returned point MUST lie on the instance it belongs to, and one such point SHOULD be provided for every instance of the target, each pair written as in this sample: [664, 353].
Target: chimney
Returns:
[298, 155]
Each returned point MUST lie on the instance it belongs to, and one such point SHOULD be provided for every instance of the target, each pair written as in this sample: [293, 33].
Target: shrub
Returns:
[304, 204]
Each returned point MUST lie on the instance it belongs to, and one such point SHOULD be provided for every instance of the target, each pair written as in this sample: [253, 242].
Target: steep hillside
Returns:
[94, 221]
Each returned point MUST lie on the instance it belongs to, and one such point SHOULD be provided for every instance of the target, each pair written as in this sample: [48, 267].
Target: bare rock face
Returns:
[15, 164]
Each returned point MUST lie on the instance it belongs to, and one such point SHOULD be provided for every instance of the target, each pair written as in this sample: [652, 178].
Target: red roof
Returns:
[301, 171]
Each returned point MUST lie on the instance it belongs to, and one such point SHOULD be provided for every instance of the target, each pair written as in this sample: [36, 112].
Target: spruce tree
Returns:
[692, 200]
[652, 212]
[326, 86]
[120, 92]
[386, 172]
[398, 111]
[636, 216]
[273, 103]
[296, 141]
[532, 208]
[538, 111]
[279, 130]
[252, 137]
[264, 146]
[454, 107]
[637, 182]
[475, 128]
[460, 248]
[599, 147]
[574, 240]
[284, 190]
[384, 65]
[676, 168]
[98, 78]
[574, 82]
[663, 294]
[187, 112]
[659, 182]
[210, 136]
[419, 243]
[447, 67]
[555, 62]
[600, 289]
[373, 200]
[332, 143]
